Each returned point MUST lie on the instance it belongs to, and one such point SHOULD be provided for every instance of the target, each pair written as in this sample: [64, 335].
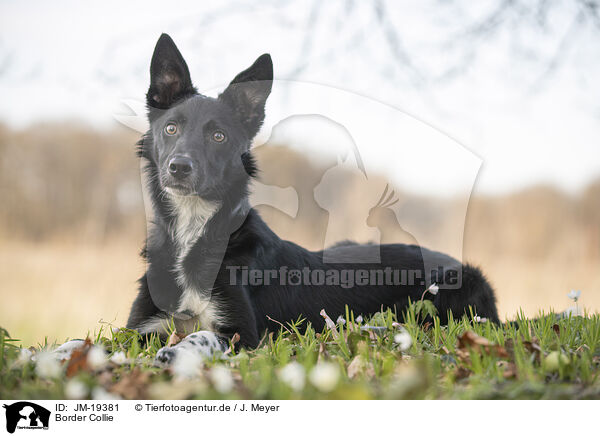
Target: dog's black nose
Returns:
[180, 167]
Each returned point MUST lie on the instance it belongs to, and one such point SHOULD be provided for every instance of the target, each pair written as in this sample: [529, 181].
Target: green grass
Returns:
[543, 358]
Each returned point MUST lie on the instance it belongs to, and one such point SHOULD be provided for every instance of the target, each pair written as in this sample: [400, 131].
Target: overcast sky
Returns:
[76, 60]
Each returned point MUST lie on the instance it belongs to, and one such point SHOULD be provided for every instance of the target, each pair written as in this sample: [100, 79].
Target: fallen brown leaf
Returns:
[323, 354]
[462, 354]
[234, 340]
[510, 369]
[462, 372]
[372, 334]
[471, 340]
[358, 366]
[330, 324]
[174, 339]
[532, 346]
[78, 359]
[556, 329]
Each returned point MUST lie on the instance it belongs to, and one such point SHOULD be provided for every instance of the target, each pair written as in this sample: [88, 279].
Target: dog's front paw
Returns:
[203, 345]
[165, 356]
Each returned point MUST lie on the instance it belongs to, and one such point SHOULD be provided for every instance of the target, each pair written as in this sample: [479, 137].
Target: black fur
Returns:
[236, 236]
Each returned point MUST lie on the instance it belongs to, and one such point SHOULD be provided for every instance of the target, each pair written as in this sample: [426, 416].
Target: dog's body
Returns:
[205, 237]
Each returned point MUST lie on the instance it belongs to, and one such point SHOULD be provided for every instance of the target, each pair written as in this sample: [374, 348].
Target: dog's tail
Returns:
[475, 292]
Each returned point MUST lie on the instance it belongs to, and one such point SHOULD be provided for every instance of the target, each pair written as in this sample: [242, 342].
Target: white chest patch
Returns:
[191, 215]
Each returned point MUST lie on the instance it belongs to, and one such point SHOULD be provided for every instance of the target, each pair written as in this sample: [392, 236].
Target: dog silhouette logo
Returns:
[26, 415]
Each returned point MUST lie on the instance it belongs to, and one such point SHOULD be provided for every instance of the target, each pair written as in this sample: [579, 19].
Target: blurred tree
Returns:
[474, 27]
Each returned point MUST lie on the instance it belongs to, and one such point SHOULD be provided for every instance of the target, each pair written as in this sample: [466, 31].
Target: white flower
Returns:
[433, 289]
[293, 375]
[47, 365]
[76, 390]
[574, 295]
[477, 318]
[340, 320]
[222, 379]
[403, 339]
[187, 364]
[119, 358]
[115, 330]
[99, 393]
[324, 376]
[96, 357]
[359, 319]
[573, 310]
[24, 356]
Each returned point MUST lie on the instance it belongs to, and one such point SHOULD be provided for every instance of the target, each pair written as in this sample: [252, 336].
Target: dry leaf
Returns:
[532, 346]
[354, 367]
[330, 324]
[234, 340]
[323, 354]
[510, 369]
[462, 372]
[556, 329]
[358, 366]
[470, 340]
[78, 359]
[462, 354]
[174, 339]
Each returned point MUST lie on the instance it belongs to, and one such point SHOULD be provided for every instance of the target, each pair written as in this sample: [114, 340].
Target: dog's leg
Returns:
[204, 344]
[143, 308]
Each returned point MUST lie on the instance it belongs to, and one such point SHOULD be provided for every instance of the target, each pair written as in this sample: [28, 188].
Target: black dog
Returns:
[213, 263]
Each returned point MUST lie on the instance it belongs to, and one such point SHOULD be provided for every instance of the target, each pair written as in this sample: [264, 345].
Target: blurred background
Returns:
[496, 102]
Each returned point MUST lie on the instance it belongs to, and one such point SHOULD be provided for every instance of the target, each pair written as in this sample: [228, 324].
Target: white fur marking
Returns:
[191, 215]
[203, 343]
[155, 324]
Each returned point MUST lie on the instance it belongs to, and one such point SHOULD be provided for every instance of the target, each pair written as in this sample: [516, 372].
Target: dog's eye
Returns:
[171, 129]
[219, 136]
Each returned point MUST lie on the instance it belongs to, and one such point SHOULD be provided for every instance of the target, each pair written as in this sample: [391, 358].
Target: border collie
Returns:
[214, 267]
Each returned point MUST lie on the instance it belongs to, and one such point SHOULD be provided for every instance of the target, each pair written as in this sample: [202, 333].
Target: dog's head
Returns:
[201, 145]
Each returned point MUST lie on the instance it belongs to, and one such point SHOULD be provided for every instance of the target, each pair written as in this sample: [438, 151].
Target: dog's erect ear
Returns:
[169, 75]
[247, 93]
